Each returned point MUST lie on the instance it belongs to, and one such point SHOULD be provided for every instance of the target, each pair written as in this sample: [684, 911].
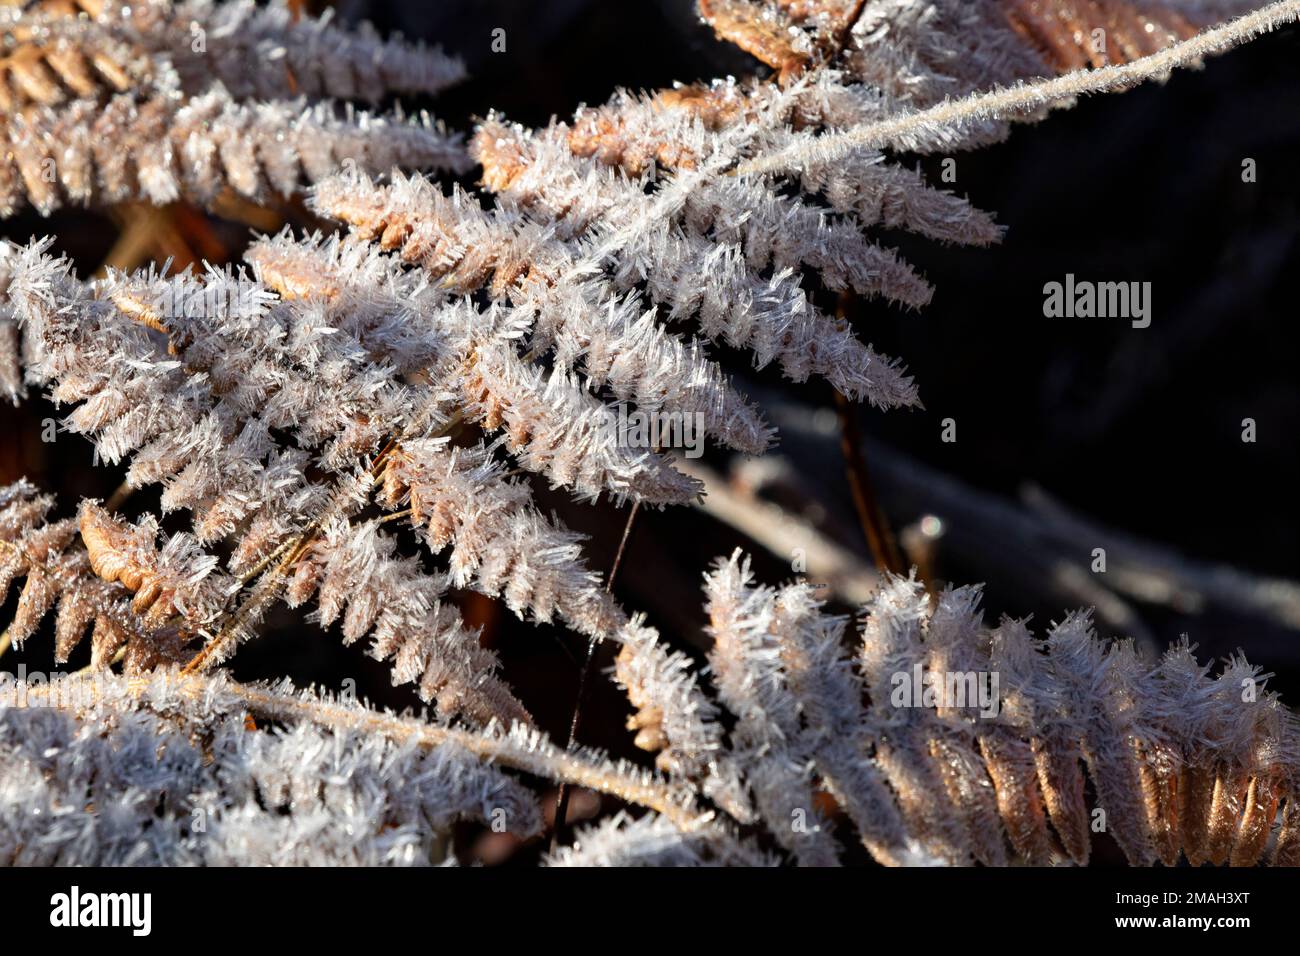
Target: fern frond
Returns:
[520, 748]
[57, 571]
[411, 369]
[745, 661]
[643, 186]
[304, 54]
[652, 840]
[192, 380]
[906, 127]
[920, 51]
[1179, 762]
[357, 578]
[386, 778]
[557, 428]
[165, 148]
[256, 51]
[180, 778]
[51, 58]
[706, 275]
[466, 248]
[676, 720]
[159, 100]
[499, 543]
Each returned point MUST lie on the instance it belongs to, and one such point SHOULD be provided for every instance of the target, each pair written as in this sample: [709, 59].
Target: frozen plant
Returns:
[307, 416]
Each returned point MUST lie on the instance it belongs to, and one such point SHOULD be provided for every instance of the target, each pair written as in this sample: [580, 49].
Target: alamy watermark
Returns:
[55, 690]
[957, 690]
[1081, 299]
[77, 909]
[655, 430]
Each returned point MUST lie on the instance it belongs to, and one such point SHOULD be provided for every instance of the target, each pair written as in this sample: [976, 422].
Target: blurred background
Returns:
[1071, 435]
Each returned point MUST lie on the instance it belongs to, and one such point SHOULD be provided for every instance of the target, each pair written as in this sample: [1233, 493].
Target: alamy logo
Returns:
[75, 909]
[654, 430]
[1098, 300]
[57, 690]
[920, 687]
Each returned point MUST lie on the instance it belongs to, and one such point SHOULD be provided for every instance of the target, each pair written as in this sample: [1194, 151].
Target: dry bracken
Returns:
[975, 743]
[154, 101]
[413, 375]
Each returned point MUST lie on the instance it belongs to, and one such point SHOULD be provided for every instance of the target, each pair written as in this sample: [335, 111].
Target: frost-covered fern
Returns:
[413, 370]
[943, 740]
[184, 776]
[165, 99]
[919, 764]
[196, 380]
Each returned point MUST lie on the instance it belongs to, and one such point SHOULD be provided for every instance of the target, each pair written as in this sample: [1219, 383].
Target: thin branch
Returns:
[575, 720]
[784, 534]
[875, 526]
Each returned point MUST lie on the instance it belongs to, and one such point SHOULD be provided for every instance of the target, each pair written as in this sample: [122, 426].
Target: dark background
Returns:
[1135, 430]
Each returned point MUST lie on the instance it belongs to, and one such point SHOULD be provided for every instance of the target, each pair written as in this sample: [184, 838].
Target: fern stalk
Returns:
[998, 104]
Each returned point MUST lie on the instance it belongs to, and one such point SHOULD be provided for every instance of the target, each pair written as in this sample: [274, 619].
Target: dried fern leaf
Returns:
[520, 748]
[591, 328]
[675, 720]
[57, 572]
[310, 55]
[652, 840]
[1180, 763]
[359, 580]
[927, 783]
[302, 794]
[707, 273]
[957, 120]
[264, 51]
[917, 52]
[499, 543]
[766, 742]
[763, 30]
[193, 379]
[166, 148]
[1096, 33]
[156, 100]
[876, 64]
[52, 59]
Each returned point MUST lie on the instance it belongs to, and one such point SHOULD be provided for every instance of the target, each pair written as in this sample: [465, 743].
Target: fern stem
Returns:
[266, 562]
[570, 768]
[521, 748]
[1008, 101]
[119, 497]
[575, 720]
[396, 516]
[875, 526]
